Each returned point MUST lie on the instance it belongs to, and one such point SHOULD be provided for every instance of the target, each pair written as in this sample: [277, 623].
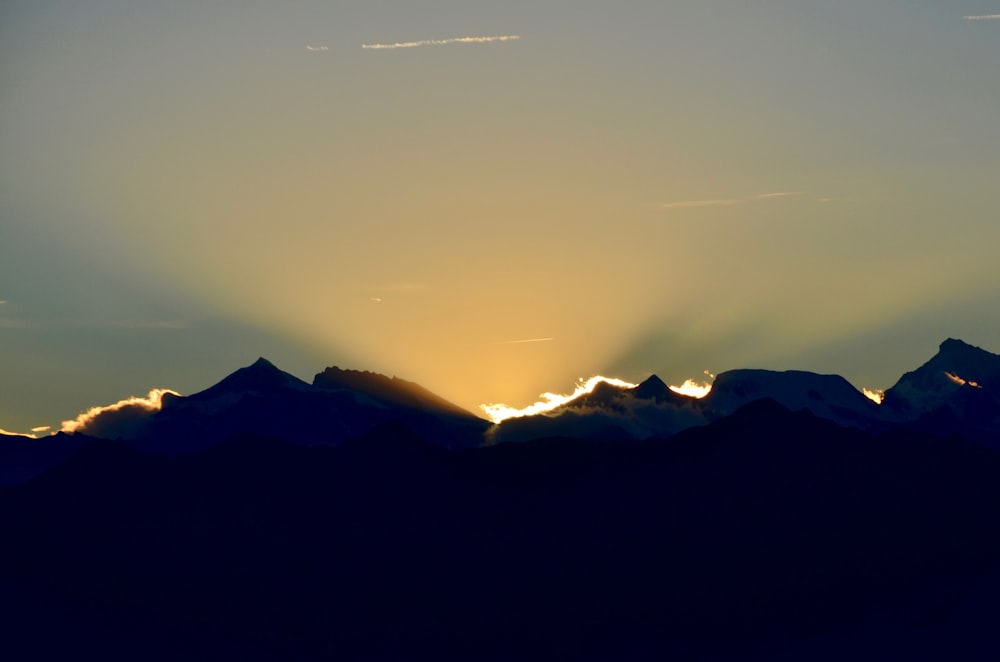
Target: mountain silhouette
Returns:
[654, 388]
[783, 516]
[956, 392]
[653, 410]
[763, 532]
[262, 400]
[23, 458]
[261, 376]
[388, 390]
[953, 394]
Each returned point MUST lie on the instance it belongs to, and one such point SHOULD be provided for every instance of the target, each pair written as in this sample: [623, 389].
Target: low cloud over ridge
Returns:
[119, 420]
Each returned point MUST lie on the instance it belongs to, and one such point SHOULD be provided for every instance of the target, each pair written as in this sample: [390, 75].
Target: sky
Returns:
[635, 187]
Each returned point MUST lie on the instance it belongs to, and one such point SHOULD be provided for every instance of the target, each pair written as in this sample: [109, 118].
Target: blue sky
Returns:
[656, 186]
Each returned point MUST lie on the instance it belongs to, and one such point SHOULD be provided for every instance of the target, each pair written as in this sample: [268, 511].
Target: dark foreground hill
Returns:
[766, 535]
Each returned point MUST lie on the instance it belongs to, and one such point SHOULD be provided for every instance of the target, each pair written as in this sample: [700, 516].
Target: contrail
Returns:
[442, 42]
[519, 342]
[987, 17]
[317, 48]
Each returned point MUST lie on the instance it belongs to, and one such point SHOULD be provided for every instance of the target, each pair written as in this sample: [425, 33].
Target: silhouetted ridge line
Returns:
[763, 528]
[954, 394]
[391, 390]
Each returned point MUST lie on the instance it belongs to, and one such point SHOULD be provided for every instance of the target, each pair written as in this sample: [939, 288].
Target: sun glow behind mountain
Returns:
[875, 395]
[549, 401]
[693, 388]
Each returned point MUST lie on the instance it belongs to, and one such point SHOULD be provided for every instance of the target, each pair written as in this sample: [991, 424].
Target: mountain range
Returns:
[784, 516]
[955, 393]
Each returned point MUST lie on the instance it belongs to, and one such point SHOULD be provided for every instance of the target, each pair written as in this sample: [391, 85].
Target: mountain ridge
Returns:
[954, 393]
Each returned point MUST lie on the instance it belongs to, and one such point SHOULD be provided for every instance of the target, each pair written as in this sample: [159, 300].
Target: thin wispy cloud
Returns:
[2, 302]
[30, 435]
[148, 324]
[526, 340]
[779, 194]
[377, 290]
[692, 204]
[984, 17]
[317, 49]
[441, 42]
[729, 202]
[8, 433]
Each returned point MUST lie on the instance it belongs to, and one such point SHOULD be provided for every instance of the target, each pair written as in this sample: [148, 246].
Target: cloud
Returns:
[121, 419]
[317, 49]
[549, 401]
[612, 412]
[148, 324]
[375, 299]
[729, 202]
[693, 388]
[780, 194]
[381, 288]
[441, 42]
[521, 342]
[42, 428]
[2, 302]
[18, 434]
[985, 17]
[690, 204]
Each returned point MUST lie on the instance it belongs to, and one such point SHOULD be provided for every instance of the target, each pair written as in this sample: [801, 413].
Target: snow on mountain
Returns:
[957, 391]
[827, 396]
[955, 369]
[653, 409]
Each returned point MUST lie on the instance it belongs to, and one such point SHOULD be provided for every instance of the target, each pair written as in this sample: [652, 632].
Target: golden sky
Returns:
[638, 186]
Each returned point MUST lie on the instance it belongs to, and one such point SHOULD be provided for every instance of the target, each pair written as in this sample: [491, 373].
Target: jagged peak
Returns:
[956, 347]
[261, 364]
[652, 388]
[261, 375]
[653, 381]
